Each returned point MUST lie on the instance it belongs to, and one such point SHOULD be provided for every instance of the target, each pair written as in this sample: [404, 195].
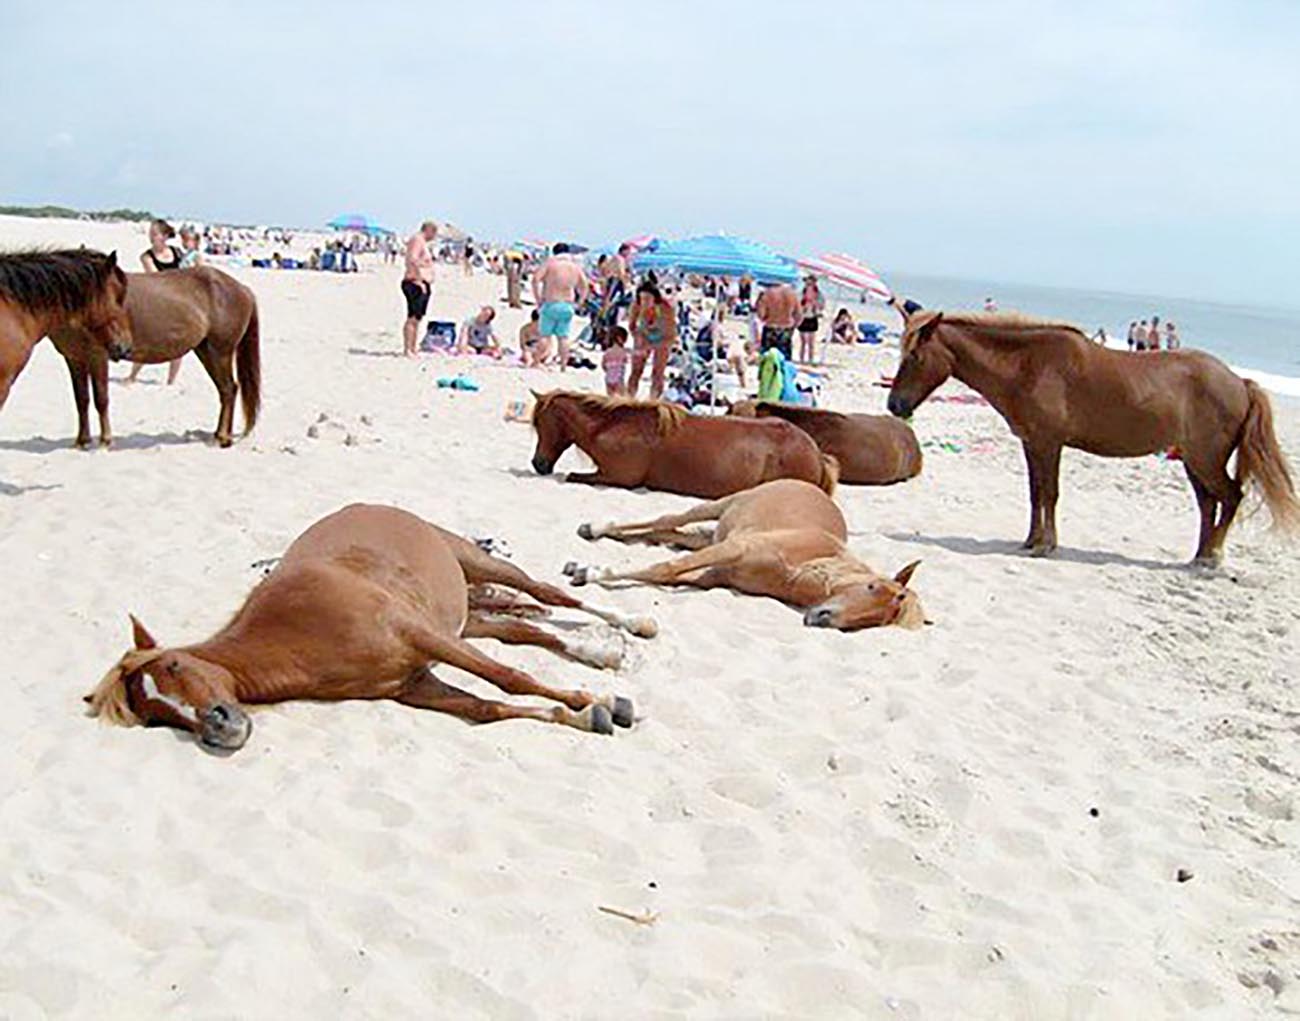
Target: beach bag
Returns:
[439, 336]
[771, 375]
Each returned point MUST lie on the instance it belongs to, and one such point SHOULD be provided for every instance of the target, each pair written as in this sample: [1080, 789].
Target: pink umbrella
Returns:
[846, 270]
[639, 242]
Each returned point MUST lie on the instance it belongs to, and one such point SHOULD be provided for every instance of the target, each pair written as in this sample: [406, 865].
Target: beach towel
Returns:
[771, 375]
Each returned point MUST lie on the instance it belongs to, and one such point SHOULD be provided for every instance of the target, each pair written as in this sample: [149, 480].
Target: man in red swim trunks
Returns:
[417, 285]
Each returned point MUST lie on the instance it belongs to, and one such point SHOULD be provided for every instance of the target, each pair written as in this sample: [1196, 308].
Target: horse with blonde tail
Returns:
[1057, 389]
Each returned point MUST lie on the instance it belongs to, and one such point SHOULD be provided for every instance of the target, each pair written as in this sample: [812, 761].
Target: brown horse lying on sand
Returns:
[1057, 389]
[201, 310]
[783, 539]
[872, 450]
[659, 446]
[43, 291]
[358, 607]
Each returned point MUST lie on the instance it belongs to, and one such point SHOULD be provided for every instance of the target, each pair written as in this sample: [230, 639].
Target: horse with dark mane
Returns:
[784, 539]
[658, 445]
[872, 450]
[201, 310]
[41, 291]
[359, 607]
[1056, 389]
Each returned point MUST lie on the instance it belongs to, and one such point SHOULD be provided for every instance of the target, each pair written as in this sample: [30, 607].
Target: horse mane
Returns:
[109, 699]
[668, 416]
[1015, 321]
[61, 280]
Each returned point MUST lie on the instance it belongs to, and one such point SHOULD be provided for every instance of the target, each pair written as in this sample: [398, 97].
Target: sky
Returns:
[1148, 147]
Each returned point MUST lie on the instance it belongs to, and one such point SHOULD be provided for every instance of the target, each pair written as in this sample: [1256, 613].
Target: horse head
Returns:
[158, 687]
[105, 316]
[859, 601]
[554, 435]
[925, 363]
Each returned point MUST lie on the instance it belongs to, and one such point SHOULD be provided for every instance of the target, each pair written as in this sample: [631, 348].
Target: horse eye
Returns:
[173, 669]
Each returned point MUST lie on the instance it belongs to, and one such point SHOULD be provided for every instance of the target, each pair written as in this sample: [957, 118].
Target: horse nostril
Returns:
[818, 616]
[220, 714]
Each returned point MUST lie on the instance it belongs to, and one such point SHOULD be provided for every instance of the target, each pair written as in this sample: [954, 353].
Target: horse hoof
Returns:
[579, 575]
[570, 566]
[601, 721]
[623, 714]
[585, 531]
[1041, 550]
[224, 441]
[82, 444]
[644, 627]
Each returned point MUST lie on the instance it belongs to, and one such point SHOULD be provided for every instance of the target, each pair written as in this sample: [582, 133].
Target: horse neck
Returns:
[989, 365]
[259, 668]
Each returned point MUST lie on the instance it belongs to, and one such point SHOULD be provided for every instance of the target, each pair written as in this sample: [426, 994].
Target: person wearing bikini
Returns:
[652, 321]
[811, 304]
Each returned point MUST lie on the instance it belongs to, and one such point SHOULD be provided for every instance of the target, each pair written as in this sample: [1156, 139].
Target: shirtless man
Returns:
[557, 287]
[778, 311]
[417, 285]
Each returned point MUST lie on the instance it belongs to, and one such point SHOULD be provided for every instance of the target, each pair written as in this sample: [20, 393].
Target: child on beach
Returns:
[614, 362]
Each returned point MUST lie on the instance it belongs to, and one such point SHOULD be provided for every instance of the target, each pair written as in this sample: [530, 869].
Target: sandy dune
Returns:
[982, 819]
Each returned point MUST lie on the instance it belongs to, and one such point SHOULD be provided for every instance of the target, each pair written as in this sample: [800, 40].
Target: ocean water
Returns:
[1261, 340]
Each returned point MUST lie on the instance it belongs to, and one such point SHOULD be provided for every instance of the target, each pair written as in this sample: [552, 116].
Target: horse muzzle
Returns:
[543, 466]
[819, 616]
[224, 727]
[898, 406]
[118, 350]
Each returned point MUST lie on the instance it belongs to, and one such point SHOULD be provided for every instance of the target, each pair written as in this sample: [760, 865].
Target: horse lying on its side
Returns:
[783, 539]
[359, 607]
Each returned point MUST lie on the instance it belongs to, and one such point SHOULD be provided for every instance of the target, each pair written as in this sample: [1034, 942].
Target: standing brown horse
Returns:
[43, 291]
[872, 450]
[202, 310]
[659, 446]
[1055, 388]
[358, 607]
[783, 539]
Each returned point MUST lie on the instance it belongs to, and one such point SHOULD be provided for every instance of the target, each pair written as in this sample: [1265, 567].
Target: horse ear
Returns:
[143, 639]
[905, 575]
[536, 395]
[112, 259]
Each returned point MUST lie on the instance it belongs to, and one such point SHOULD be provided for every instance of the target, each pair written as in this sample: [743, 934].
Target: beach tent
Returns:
[718, 255]
[848, 272]
[357, 222]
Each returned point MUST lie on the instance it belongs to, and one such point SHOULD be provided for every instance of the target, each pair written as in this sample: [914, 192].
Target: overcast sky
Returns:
[1136, 146]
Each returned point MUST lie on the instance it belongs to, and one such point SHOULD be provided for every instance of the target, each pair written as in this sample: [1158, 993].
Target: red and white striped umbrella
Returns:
[846, 270]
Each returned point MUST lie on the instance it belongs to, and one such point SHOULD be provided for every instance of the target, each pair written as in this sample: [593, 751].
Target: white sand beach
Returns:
[985, 818]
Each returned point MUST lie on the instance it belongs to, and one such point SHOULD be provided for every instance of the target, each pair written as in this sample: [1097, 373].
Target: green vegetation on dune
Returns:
[64, 213]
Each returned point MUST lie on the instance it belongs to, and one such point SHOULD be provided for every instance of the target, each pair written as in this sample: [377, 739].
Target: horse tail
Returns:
[830, 475]
[248, 369]
[1260, 461]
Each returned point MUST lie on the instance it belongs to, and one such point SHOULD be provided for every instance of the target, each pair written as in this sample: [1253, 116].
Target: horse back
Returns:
[713, 457]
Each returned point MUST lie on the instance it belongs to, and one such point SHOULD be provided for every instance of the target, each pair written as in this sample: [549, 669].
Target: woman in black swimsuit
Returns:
[811, 304]
[160, 257]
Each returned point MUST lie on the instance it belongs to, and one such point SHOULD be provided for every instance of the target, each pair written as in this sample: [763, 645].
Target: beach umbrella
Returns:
[639, 242]
[849, 272]
[718, 255]
[358, 222]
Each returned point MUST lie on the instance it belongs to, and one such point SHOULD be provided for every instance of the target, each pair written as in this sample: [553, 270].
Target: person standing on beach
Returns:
[1132, 335]
[1140, 336]
[653, 322]
[811, 304]
[160, 257]
[1172, 340]
[557, 287]
[417, 285]
[778, 311]
[1153, 335]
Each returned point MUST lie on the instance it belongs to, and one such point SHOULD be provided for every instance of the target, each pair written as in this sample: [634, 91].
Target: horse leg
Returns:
[223, 378]
[1049, 484]
[709, 511]
[513, 631]
[423, 690]
[1035, 503]
[480, 568]
[687, 570]
[81, 396]
[99, 383]
[1205, 504]
[1227, 491]
[577, 708]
